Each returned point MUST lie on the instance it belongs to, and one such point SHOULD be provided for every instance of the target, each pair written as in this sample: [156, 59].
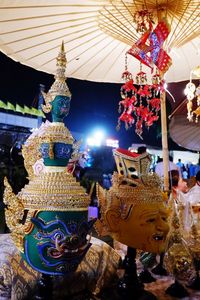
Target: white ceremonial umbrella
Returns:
[184, 133]
[96, 35]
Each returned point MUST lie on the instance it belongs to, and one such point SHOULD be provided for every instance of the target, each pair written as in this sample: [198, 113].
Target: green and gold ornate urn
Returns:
[48, 218]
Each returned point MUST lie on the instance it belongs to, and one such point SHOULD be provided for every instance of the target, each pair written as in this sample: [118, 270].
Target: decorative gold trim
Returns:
[28, 226]
[14, 214]
[54, 191]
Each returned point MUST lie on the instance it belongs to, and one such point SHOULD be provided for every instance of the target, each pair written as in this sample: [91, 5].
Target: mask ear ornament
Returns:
[112, 218]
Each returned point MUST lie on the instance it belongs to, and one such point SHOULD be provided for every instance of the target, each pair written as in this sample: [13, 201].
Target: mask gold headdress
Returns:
[133, 189]
[48, 218]
[131, 163]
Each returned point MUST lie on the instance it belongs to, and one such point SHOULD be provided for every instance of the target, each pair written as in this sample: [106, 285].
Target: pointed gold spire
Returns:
[62, 48]
[59, 87]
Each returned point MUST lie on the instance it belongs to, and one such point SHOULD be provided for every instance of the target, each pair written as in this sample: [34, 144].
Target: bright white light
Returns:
[99, 134]
[112, 143]
[96, 138]
[93, 142]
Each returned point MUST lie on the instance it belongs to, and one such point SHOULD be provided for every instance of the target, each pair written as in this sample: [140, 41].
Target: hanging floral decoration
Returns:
[140, 103]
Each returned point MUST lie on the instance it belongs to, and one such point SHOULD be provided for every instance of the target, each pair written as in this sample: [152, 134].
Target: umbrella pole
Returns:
[164, 140]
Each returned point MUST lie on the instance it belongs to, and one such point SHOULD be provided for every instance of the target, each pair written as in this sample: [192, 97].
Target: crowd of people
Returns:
[184, 180]
[186, 171]
[186, 198]
[184, 190]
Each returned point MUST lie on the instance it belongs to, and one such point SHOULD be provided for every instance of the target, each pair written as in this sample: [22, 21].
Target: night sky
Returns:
[93, 105]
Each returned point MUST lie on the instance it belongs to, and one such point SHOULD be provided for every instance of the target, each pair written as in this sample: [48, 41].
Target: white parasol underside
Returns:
[96, 34]
[184, 133]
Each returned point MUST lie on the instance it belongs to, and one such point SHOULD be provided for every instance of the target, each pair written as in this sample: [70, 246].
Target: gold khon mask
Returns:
[133, 211]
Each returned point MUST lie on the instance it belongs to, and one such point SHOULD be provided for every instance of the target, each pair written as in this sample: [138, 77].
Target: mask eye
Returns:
[74, 240]
[58, 236]
[151, 220]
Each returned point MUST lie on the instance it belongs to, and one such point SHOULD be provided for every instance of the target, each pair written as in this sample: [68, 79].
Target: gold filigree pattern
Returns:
[178, 261]
[47, 133]
[56, 132]
[14, 214]
[135, 191]
[31, 154]
[28, 226]
[54, 191]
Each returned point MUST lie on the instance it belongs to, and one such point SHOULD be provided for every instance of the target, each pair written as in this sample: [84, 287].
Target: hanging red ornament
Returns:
[144, 91]
[139, 104]
[151, 119]
[155, 103]
[127, 118]
[128, 87]
[138, 128]
[143, 20]
[126, 75]
[141, 78]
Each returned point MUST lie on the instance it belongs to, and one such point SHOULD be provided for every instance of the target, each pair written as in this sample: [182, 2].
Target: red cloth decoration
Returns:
[163, 61]
[158, 56]
[139, 50]
[127, 152]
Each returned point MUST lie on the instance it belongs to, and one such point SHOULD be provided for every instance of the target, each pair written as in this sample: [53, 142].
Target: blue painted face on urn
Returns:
[57, 241]
[60, 108]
